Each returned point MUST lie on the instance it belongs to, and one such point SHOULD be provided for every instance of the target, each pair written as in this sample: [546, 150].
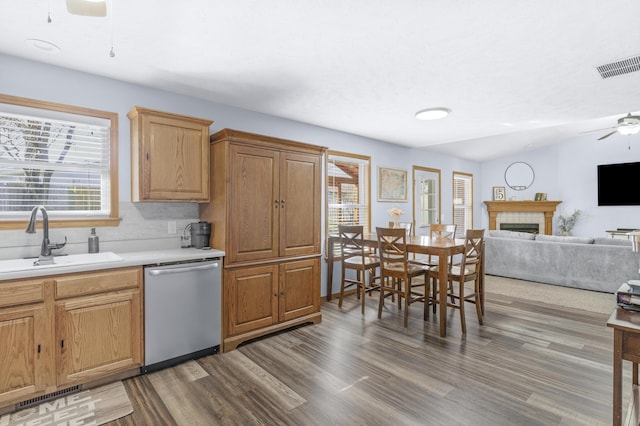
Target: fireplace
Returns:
[532, 228]
[522, 212]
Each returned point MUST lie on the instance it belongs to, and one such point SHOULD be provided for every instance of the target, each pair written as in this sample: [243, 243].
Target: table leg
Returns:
[617, 377]
[329, 268]
[442, 292]
[482, 281]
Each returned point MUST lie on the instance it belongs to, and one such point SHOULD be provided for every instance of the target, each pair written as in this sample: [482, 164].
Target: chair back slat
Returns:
[391, 248]
[442, 230]
[351, 240]
[474, 242]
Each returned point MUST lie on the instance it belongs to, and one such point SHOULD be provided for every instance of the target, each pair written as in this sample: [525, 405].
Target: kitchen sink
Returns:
[17, 265]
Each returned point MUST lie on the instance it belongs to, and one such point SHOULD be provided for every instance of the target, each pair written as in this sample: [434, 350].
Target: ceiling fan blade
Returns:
[607, 135]
[598, 130]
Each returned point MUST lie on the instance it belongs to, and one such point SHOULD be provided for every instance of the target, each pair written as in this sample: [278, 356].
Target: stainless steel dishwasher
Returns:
[182, 312]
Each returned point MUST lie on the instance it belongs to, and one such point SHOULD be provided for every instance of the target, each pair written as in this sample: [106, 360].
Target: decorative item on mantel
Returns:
[567, 222]
[395, 214]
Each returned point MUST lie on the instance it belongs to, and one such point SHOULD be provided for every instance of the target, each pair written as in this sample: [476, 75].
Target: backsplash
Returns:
[144, 226]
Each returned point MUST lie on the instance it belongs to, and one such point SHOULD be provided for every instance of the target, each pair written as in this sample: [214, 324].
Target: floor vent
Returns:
[47, 397]
[623, 66]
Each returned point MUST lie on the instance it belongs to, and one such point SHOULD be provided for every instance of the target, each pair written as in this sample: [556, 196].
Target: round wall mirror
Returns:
[519, 176]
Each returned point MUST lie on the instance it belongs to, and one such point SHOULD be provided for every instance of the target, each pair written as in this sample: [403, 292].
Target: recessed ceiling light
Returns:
[43, 45]
[432, 113]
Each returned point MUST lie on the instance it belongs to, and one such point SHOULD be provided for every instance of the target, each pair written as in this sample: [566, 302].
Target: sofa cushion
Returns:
[611, 241]
[563, 239]
[512, 234]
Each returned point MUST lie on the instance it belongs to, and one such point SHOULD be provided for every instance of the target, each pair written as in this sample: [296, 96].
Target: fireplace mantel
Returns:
[528, 206]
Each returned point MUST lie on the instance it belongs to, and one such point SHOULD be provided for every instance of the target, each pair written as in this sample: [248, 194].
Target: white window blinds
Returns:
[60, 160]
[462, 203]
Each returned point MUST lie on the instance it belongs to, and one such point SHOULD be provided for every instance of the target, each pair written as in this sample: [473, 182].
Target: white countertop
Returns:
[147, 257]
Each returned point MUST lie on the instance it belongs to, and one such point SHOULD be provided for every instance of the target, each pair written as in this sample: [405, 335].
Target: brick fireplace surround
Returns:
[528, 211]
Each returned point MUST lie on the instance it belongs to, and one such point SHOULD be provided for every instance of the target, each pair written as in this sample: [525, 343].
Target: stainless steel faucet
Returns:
[45, 250]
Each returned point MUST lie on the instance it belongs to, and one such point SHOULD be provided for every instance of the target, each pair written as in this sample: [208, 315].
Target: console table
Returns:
[620, 233]
[626, 346]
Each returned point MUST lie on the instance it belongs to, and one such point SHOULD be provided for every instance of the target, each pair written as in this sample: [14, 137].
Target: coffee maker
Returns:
[200, 234]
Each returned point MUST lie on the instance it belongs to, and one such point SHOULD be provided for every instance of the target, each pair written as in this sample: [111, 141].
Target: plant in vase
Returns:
[395, 213]
[567, 222]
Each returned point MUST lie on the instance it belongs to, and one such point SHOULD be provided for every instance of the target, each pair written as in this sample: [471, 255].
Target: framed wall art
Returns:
[392, 184]
[499, 193]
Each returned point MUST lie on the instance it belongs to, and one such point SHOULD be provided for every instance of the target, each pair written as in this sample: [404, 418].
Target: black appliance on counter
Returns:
[200, 234]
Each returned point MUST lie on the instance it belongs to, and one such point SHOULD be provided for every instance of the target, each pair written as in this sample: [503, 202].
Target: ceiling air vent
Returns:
[623, 66]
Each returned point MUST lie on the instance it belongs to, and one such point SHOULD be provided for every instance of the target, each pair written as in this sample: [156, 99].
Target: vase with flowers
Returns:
[395, 213]
[567, 222]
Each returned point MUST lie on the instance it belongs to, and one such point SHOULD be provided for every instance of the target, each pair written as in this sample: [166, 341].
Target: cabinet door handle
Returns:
[282, 204]
[147, 155]
[38, 348]
[276, 203]
[61, 344]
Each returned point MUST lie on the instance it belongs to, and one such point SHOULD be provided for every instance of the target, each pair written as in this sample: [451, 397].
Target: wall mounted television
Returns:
[618, 184]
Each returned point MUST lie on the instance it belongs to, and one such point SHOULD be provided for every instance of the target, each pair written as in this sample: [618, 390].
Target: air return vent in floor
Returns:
[47, 397]
[620, 67]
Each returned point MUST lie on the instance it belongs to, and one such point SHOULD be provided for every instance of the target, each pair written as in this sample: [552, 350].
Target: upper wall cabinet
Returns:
[169, 156]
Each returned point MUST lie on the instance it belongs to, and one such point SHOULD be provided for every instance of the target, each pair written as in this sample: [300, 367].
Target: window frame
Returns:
[357, 158]
[113, 218]
[417, 171]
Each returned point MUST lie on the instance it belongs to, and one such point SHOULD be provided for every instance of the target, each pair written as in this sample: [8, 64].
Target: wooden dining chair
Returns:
[437, 230]
[407, 226]
[356, 257]
[468, 270]
[397, 273]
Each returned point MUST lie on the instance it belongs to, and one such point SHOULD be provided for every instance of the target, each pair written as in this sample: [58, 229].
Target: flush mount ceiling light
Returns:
[43, 45]
[87, 7]
[432, 113]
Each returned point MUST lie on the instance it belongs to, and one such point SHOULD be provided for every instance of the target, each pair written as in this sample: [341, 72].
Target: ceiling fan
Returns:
[627, 125]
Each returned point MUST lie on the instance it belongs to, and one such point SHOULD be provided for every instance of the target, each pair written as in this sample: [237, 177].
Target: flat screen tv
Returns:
[618, 184]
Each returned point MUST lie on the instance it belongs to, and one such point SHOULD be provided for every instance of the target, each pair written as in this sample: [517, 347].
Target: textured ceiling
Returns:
[516, 74]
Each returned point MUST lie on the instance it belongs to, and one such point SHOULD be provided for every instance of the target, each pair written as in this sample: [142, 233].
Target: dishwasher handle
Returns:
[181, 270]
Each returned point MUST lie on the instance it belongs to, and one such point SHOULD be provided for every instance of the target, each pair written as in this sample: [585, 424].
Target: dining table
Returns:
[444, 248]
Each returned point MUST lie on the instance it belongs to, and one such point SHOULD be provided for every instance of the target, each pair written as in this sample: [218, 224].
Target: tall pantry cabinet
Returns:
[265, 214]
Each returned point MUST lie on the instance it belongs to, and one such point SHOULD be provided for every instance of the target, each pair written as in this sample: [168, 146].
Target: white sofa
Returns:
[600, 264]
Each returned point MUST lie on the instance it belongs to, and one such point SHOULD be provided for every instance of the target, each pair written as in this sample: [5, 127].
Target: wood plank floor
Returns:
[530, 364]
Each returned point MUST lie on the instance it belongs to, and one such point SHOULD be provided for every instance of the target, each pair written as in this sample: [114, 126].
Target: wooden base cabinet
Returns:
[263, 299]
[66, 330]
[24, 365]
[97, 336]
[265, 212]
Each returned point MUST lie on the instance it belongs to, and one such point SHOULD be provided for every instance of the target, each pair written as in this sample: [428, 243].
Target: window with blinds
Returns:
[58, 159]
[347, 191]
[462, 202]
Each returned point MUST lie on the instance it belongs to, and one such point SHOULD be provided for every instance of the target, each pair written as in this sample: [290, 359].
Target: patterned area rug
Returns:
[90, 407]
[593, 301]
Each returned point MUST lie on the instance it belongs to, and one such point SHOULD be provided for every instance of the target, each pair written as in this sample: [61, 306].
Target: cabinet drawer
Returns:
[97, 282]
[18, 293]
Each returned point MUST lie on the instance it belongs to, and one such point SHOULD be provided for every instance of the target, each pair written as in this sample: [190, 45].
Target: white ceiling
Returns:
[516, 74]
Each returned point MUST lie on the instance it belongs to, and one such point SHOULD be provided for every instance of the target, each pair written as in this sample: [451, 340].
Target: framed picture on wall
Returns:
[499, 193]
[392, 184]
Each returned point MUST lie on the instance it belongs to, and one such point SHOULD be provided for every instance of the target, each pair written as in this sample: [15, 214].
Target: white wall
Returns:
[568, 172]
